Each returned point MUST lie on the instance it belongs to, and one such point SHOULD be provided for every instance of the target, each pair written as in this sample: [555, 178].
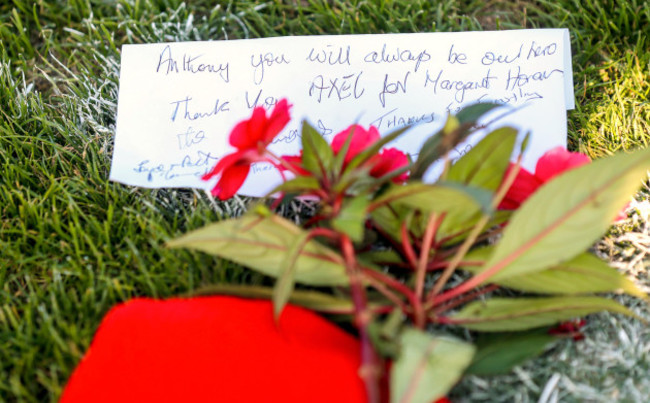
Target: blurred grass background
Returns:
[73, 244]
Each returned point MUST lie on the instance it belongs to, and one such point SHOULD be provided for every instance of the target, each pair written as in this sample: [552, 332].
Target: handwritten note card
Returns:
[179, 101]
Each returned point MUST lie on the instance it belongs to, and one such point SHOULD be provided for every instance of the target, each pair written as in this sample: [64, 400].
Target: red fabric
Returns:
[250, 137]
[216, 349]
[551, 164]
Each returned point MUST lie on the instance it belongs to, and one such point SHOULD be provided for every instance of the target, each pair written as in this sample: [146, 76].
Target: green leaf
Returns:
[455, 131]
[457, 230]
[427, 367]
[356, 182]
[351, 219]
[472, 113]
[584, 274]
[510, 314]
[286, 280]
[380, 257]
[317, 155]
[451, 125]
[356, 179]
[498, 353]
[567, 215]
[446, 197]
[525, 142]
[299, 184]
[434, 148]
[313, 300]
[392, 325]
[384, 335]
[462, 206]
[339, 158]
[261, 210]
[390, 218]
[485, 164]
[262, 243]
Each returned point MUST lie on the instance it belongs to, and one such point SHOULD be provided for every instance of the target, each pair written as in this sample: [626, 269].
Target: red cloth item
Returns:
[216, 349]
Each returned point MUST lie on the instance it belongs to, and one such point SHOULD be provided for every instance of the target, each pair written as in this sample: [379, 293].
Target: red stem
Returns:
[441, 265]
[277, 201]
[468, 297]
[421, 269]
[314, 220]
[370, 370]
[324, 232]
[389, 281]
[383, 289]
[408, 248]
[382, 309]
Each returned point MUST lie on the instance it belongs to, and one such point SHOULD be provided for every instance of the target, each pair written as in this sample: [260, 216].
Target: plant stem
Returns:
[433, 266]
[458, 257]
[427, 241]
[389, 281]
[383, 289]
[407, 248]
[469, 242]
[468, 297]
[279, 163]
[421, 269]
[370, 370]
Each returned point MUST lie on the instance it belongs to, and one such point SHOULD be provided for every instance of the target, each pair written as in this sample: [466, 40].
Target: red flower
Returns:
[296, 163]
[388, 160]
[551, 164]
[221, 349]
[361, 138]
[250, 137]
[569, 329]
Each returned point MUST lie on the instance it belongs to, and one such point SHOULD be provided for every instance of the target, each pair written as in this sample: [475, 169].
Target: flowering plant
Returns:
[412, 262]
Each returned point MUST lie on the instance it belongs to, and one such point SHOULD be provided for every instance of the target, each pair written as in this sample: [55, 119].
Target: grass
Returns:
[73, 244]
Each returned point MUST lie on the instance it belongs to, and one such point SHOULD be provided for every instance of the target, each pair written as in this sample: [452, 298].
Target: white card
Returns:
[179, 101]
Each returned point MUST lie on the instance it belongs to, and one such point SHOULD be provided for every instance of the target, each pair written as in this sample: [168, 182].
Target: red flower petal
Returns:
[569, 329]
[223, 163]
[231, 180]
[249, 133]
[246, 134]
[389, 160]
[361, 139]
[248, 137]
[221, 349]
[296, 162]
[556, 161]
[523, 186]
[277, 121]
